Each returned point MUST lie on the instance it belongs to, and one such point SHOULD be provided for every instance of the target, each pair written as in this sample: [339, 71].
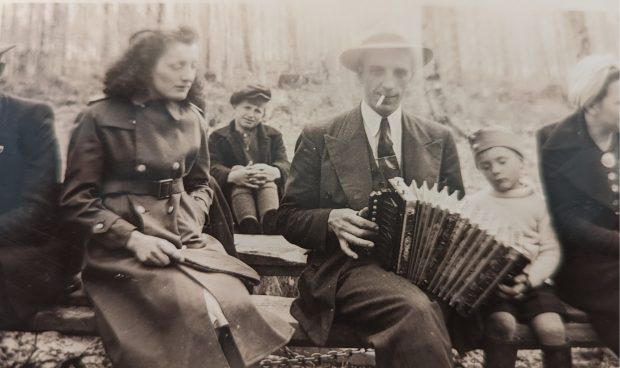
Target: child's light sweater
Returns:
[527, 212]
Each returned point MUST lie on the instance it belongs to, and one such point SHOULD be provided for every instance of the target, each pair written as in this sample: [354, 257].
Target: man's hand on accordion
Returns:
[351, 228]
[518, 290]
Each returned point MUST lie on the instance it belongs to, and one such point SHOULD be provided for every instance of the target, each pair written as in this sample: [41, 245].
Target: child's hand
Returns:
[267, 172]
[516, 291]
[243, 175]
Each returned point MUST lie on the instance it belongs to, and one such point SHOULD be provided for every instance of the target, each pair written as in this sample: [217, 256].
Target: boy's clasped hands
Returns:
[253, 175]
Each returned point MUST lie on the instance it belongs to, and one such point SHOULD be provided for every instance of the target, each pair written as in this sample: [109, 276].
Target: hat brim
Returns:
[236, 100]
[351, 58]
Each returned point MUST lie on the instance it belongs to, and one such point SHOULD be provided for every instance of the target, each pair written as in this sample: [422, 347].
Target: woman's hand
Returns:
[516, 291]
[152, 250]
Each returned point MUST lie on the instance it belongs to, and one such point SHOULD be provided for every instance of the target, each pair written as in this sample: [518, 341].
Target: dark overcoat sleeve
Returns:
[280, 160]
[300, 218]
[573, 216]
[80, 200]
[41, 156]
[450, 171]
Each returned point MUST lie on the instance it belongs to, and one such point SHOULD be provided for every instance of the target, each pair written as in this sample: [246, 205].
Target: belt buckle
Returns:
[165, 188]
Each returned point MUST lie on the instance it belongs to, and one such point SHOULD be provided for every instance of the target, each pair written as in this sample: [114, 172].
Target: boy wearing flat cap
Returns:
[337, 165]
[531, 298]
[249, 162]
[33, 261]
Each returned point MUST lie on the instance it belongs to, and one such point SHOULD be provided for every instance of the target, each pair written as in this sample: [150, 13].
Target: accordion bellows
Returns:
[443, 246]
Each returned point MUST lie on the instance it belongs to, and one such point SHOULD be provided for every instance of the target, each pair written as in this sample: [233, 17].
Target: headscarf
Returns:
[588, 79]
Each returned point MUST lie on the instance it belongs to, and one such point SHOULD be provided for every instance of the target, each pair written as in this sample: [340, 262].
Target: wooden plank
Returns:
[79, 320]
[270, 255]
[74, 320]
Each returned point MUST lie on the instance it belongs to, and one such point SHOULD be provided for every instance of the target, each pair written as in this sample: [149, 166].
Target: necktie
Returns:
[386, 158]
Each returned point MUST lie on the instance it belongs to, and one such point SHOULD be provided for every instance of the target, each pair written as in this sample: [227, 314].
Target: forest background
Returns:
[496, 63]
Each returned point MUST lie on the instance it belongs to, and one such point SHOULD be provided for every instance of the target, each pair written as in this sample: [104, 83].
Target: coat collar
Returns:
[570, 133]
[349, 152]
[571, 144]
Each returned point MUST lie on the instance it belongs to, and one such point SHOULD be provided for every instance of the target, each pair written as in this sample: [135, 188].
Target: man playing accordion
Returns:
[337, 165]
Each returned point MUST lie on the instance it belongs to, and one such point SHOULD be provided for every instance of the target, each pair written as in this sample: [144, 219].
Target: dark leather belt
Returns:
[156, 188]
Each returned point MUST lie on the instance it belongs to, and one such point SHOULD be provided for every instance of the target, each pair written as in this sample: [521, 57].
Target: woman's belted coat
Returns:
[155, 316]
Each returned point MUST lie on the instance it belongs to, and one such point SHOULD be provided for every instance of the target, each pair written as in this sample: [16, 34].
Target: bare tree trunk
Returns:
[578, 25]
[245, 34]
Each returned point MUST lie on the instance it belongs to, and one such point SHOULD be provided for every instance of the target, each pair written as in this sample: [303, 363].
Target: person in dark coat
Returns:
[249, 161]
[336, 166]
[138, 181]
[33, 260]
[579, 171]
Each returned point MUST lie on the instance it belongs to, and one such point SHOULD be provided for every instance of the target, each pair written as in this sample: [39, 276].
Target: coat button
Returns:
[170, 209]
[615, 203]
[612, 176]
[141, 168]
[176, 166]
[133, 122]
[140, 209]
[614, 188]
[608, 160]
[99, 226]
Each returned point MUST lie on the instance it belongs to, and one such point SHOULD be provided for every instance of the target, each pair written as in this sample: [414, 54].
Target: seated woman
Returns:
[249, 161]
[34, 265]
[138, 179]
[579, 170]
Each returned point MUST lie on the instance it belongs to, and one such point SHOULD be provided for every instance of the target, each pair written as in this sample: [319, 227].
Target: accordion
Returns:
[435, 241]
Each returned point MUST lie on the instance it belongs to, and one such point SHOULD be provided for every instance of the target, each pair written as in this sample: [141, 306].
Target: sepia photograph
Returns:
[309, 183]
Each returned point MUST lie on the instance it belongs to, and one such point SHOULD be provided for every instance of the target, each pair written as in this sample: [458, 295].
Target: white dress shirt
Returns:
[372, 125]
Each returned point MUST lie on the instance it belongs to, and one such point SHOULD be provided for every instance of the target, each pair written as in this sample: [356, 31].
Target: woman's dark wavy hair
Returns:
[131, 74]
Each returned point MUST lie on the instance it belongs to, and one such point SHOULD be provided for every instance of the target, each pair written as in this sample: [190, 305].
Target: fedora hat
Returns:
[5, 48]
[350, 58]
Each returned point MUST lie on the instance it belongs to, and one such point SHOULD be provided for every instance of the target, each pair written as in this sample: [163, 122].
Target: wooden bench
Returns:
[273, 256]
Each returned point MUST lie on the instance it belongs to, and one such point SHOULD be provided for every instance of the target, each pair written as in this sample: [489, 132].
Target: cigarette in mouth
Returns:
[380, 101]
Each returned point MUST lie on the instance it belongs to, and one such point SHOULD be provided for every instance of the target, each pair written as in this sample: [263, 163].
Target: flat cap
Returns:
[251, 91]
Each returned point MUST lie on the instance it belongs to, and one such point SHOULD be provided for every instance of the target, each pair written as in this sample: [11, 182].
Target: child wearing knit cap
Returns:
[531, 298]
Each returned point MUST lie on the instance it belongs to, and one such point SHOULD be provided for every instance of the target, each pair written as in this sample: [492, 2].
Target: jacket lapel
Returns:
[570, 143]
[348, 153]
[421, 154]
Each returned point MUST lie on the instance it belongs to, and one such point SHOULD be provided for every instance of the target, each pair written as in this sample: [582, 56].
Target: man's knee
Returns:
[501, 325]
[415, 306]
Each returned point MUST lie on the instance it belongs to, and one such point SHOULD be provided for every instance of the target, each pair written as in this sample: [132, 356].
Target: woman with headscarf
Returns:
[165, 294]
[579, 170]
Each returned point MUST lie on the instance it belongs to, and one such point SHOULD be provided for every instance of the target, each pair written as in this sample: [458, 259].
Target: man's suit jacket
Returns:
[34, 263]
[331, 169]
